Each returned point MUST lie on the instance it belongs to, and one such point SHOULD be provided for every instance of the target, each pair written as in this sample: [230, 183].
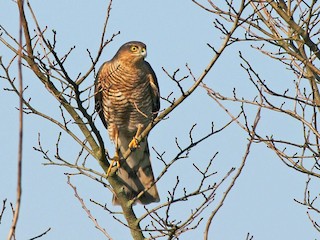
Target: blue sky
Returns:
[176, 33]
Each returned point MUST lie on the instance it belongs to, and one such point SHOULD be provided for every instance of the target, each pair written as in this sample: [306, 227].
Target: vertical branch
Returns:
[19, 174]
[128, 213]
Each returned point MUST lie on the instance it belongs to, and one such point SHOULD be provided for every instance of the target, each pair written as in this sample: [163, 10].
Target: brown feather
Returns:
[136, 173]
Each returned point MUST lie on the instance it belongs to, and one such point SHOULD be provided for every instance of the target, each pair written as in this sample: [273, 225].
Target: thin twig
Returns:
[41, 235]
[3, 208]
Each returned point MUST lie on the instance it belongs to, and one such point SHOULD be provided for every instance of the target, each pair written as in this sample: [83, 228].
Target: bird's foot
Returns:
[134, 143]
[116, 160]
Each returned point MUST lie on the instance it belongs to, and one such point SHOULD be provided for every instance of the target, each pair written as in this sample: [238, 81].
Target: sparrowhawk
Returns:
[127, 100]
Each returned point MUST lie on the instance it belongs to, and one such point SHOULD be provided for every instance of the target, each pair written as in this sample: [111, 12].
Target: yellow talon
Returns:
[114, 159]
[134, 143]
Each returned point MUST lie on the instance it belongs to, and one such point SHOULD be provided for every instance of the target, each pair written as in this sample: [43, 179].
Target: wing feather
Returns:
[98, 95]
[154, 91]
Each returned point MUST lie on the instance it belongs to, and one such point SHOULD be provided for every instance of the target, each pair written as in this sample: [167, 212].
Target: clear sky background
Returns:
[176, 33]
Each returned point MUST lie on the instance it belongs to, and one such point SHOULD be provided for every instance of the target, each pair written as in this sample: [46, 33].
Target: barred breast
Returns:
[126, 97]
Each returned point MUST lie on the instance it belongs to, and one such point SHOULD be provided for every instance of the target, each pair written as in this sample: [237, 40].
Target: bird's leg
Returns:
[134, 142]
[116, 157]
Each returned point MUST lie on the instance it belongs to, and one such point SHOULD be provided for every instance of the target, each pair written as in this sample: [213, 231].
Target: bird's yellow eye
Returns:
[134, 48]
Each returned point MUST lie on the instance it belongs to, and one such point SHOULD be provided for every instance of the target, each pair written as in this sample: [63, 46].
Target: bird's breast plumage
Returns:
[125, 96]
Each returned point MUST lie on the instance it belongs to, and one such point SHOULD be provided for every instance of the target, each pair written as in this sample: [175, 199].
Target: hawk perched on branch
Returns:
[127, 99]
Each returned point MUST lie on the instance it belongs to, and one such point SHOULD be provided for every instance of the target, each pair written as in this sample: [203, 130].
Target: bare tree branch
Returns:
[238, 173]
[20, 144]
[94, 220]
[3, 209]
[41, 235]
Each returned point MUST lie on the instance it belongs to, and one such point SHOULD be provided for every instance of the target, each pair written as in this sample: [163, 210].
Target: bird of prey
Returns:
[127, 100]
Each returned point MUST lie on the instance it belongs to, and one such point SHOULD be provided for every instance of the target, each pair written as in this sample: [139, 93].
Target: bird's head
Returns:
[132, 52]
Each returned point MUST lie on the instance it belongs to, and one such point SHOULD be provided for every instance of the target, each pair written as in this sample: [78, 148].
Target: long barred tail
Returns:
[136, 172]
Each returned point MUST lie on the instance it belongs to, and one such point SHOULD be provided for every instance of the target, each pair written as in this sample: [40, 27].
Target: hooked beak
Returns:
[144, 52]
